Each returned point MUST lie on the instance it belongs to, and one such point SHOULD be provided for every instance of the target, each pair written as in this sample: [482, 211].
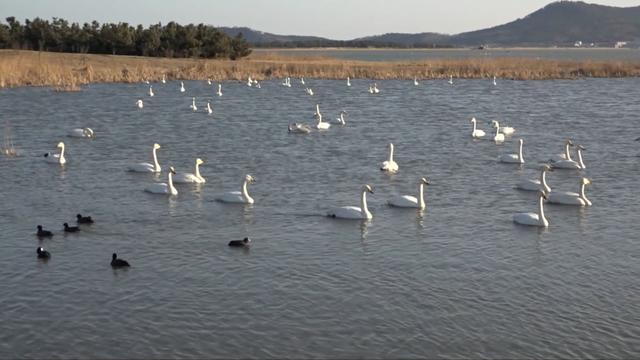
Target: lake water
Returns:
[577, 54]
[457, 280]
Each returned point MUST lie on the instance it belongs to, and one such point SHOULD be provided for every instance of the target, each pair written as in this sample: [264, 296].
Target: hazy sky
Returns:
[335, 19]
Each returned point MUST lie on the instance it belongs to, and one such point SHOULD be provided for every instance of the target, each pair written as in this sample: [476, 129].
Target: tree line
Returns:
[170, 40]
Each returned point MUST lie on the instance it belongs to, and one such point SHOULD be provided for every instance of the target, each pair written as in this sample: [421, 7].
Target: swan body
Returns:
[407, 201]
[321, 125]
[533, 219]
[151, 91]
[193, 105]
[348, 81]
[147, 167]
[340, 119]
[241, 197]
[536, 184]
[476, 133]
[194, 177]
[56, 158]
[86, 133]
[140, 104]
[209, 110]
[297, 128]
[499, 137]
[513, 158]
[507, 130]
[571, 164]
[354, 212]
[389, 165]
[164, 188]
[375, 88]
[571, 198]
[219, 92]
[182, 87]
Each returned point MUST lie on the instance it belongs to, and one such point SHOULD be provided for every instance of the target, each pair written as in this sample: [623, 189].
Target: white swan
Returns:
[82, 133]
[389, 165]
[513, 158]
[370, 89]
[476, 133]
[182, 87]
[193, 105]
[238, 196]
[322, 125]
[348, 81]
[219, 92]
[354, 212]
[375, 88]
[415, 81]
[258, 85]
[140, 104]
[309, 91]
[164, 188]
[209, 110]
[571, 198]
[249, 81]
[56, 158]
[194, 177]
[340, 119]
[147, 167]
[297, 128]
[408, 201]
[151, 90]
[208, 81]
[499, 137]
[566, 155]
[507, 130]
[451, 79]
[536, 184]
[494, 81]
[164, 79]
[302, 80]
[533, 219]
[571, 164]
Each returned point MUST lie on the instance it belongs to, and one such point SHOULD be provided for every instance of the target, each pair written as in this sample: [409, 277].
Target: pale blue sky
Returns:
[336, 19]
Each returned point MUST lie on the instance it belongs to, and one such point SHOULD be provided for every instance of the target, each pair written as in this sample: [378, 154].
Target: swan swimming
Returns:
[415, 81]
[297, 128]
[147, 167]
[182, 87]
[354, 212]
[209, 110]
[571, 164]
[513, 158]
[151, 90]
[86, 133]
[193, 105]
[408, 201]
[536, 184]
[571, 198]
[249, 81]
[194, 177]
[566, 155]
[219, 92]
[340, 119]
[370, 89]
[476, 133]
[507, 130]
[375, 88]
[238, 196]
[389, 165]
[56, 158]
[164, 79]
[499, 137]
[348, 81]
[164, 188]
[322, 125]
[208, 81]
[140, 104]
[451, 79]
[302, 80]
[494, 81]
[309, 91]
[533, 219]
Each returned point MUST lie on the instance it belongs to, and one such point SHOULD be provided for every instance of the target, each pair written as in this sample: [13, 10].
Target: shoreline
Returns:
[68, 71]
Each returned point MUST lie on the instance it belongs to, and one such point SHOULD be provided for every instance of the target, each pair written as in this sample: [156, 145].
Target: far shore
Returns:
[67, 72]
[454, 49]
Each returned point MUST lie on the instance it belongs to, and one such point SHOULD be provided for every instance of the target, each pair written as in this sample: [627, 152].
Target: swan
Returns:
[193, 105]
[408, 201]
[288, 81]
[566, 155]
[451, 79]
[499, 138]
[219, 92]
[151, 90]
[533, 219]
[209, 110]
[56, 158]
[571, 164]
[164, 79]
[571, 198]
[389, 165]
[258, 85]
[513, 158]
[182, 87]
[375, 88]
[370, 89]
[322, 125]
[348, 81]
[494, 81]
[82, 133]
[340, 119]
[507, 130]
[415, 81]
[147, 167]
[238, 196]
[140, 104]
[164, 188]
[476, 133]
[354, 212]
[208, 81]
[536, 184]
[299, 128]
[195, 177]
[302, 80]
[309, 91]
[249, 81]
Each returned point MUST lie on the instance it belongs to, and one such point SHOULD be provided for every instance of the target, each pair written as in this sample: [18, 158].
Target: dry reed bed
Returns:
[66, 72]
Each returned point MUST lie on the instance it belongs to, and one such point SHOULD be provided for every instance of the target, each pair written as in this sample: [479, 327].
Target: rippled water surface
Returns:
[458, 280]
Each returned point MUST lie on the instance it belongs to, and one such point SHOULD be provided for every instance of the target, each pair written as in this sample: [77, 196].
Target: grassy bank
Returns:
[69, 71]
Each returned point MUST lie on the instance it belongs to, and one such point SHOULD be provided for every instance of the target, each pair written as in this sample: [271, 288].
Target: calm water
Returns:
[458, 280]
[628, 54]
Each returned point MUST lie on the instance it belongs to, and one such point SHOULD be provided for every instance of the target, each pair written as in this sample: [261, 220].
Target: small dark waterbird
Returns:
[84, 219]
[70, 229]
[118, 263]
[42, 253]
[240, 243]
[43, 233]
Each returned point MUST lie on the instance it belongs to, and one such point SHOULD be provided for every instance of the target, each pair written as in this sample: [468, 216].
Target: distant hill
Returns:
[560, 23]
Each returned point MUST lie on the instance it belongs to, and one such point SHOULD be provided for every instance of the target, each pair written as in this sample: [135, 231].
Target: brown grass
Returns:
[67, 72]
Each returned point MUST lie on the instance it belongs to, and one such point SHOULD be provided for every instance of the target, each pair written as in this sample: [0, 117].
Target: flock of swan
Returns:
[362, 212]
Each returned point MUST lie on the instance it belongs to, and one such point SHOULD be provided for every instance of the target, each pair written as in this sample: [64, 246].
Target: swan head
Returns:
[546, 167]
[521, 141]
[199, 161]
[495, 124]
[568, 142]
[473, 119]
[425, 181]
[542, 195]
[580, 147]
[368, 189]
[88, 132]
[172, 170]
[390, 146]
[139, 102]
[249, 179]
[60, 144]
[156, 146]
[585, 181]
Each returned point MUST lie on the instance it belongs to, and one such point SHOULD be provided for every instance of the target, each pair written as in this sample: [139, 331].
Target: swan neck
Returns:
[245, 193]
[582, 194]
[543, 181]
[541, 211]
[363, 204]
[497, 129]
[391, 153]
[474, 126]
[172, 189]
[567, 154]
[520, 153]
[197, 172]
[580, 159]
[421, 196]
[156, 166]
